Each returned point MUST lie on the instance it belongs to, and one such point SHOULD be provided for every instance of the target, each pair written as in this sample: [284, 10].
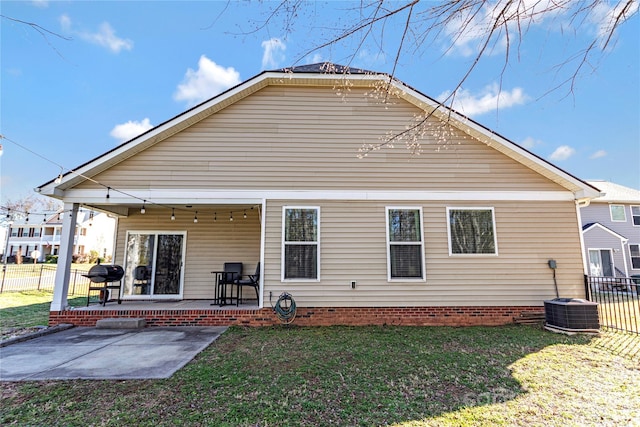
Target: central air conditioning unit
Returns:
[572, 314]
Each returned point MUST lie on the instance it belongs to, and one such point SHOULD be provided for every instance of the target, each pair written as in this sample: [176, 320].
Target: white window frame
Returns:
[389, 243]
[493, 224]
[599, 252]
[632, 257]
[156, 233]
[284, 243]
[633, 215]
[624, 212]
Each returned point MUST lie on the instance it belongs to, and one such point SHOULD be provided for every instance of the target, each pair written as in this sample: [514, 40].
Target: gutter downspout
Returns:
[582, 203]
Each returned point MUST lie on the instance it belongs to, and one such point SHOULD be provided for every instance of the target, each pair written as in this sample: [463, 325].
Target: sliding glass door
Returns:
[153, 265]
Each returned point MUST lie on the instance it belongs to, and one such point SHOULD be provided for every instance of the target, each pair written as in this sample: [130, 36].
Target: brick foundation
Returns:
[308, 316]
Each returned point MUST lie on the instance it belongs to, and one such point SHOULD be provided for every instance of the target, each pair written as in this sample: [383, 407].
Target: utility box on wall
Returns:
[572, 314]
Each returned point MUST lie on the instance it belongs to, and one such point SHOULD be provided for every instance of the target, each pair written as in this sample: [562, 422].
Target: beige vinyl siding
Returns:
[208, 244]
[353, 247]
[286, 138]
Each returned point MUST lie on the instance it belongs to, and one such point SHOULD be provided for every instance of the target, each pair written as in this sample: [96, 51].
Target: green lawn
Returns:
[27, 309]
[403, 376]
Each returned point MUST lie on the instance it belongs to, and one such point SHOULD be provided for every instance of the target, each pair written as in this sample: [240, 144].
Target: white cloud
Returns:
[315, 59]
[105, 36]
[489, 99]
[598, 154]
[208, 80]
[371, 58]
[562, 153]
[605, 17]
[130, 129]
[530, 143]
[40, 3]
[273, 53]
[65, 22]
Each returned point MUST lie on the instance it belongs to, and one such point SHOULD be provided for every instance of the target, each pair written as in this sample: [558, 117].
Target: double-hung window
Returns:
[634, 252]
[617, 213]
[472, 231]
[405, 243]
[635, 215]
[300, 241]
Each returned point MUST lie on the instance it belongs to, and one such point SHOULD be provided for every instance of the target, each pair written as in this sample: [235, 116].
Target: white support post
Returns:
[63, 272]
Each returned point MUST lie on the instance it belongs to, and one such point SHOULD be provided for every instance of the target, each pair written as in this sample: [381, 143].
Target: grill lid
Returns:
[105, 273]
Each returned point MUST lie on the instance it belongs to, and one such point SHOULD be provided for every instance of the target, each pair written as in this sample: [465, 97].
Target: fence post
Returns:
[75, 276]
[4, 273]
[40, 278]
[587, 290]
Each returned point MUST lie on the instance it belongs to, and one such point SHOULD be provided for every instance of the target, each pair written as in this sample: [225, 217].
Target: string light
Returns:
[245, 214]
[90, 218]
[195, 218]
[215, 216]
[173, 214]
[60, 177]
[58, 180]
[27, 219]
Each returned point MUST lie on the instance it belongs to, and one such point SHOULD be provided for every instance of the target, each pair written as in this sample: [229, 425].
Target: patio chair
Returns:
[142, 279]
[232, 272]
[252, 281]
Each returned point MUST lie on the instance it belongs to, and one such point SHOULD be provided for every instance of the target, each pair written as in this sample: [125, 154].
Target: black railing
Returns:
[41, 277]
[618, 301]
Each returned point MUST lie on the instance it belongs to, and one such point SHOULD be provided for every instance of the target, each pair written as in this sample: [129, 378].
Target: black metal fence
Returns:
[41, 277]
[618, 301]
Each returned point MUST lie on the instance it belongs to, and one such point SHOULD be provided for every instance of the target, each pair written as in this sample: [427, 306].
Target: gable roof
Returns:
[615, 193]
[323, 75]
[594, 225]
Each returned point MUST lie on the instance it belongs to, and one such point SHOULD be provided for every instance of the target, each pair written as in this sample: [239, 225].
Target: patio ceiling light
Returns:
[173, 214]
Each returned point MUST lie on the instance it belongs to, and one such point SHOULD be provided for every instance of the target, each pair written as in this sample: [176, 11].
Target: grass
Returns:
[22, 311]
[400, 376]
[624, 314]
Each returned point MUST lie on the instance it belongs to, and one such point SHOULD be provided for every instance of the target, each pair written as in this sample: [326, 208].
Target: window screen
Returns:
[300, 243]
[471, 231]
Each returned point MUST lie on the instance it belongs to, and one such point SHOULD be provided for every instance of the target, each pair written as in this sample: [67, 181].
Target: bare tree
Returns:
[44, 32]
[484, 27]
[31, 204]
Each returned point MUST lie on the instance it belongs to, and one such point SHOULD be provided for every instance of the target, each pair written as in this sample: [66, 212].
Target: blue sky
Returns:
[127, 66]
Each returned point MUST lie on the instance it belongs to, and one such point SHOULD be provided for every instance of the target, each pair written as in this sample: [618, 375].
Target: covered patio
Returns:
[181, 248]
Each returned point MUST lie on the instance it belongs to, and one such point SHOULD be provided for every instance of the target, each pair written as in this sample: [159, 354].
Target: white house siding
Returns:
[308, 139]
[353, 247]
[599, 212]
[208, 244]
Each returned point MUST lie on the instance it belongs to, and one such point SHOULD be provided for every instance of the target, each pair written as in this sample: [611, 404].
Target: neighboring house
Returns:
[93, 231]
[611, 231]
[268, 172]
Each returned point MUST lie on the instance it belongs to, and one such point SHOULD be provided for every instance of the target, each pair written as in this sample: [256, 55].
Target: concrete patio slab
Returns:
[91, 353]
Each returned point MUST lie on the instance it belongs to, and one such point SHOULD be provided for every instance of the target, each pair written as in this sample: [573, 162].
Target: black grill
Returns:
[105, 273]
